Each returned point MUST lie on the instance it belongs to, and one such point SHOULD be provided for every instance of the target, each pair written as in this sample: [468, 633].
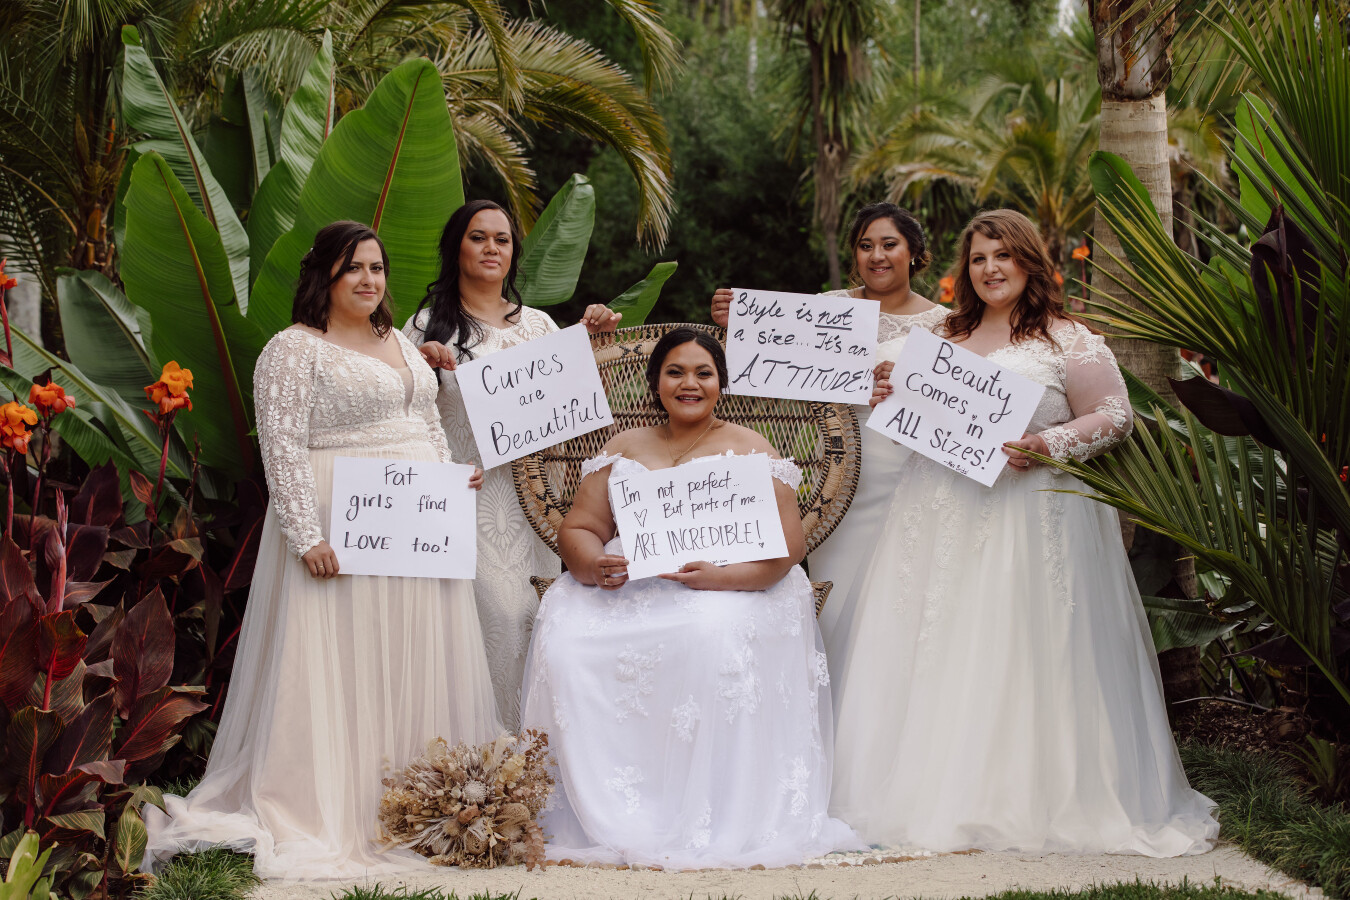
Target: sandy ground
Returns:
[961, 875]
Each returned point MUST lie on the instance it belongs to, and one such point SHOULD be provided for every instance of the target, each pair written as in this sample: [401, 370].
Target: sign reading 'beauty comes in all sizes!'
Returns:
[403, 517]
[533, 396]
[955, 406]
[719, 510]
[801, 346]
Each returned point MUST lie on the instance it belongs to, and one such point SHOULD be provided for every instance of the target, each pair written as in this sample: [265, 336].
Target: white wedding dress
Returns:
[335, 681]
[843, 554]
[691, 728]
[509, 551]
[997, 687]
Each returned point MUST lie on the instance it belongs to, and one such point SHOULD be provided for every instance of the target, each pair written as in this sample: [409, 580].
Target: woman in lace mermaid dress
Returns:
[689, 713]
[889, 247]
[998, 686]
[336, 679]
[470, 322]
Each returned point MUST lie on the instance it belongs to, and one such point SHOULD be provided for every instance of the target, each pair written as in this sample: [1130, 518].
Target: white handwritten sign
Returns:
[719, 510]
[403, 517]
[801, 346]
[533, 396]
[955, 406]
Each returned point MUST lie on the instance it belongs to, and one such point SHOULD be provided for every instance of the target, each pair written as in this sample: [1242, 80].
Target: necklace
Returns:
[674, 457]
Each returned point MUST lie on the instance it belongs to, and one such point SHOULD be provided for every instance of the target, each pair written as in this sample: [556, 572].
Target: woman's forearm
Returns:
[578, 547]
[756, 576]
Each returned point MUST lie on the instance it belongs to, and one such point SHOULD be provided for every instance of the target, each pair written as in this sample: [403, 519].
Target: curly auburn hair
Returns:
[326, 262]
[1041, 302]
[909, 227]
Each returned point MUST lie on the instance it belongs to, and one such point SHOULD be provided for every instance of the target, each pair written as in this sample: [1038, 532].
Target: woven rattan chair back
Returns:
[821, 438]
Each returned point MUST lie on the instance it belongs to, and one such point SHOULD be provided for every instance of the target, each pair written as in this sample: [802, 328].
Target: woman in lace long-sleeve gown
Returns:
[889, 247]
[467, 315]
[688, 712]
[998, 684]
[337, 677]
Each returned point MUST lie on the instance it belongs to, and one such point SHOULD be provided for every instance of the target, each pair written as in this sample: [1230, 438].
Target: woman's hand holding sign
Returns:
[609, 572]
[321, 560]
[599, 318]
[881, 383]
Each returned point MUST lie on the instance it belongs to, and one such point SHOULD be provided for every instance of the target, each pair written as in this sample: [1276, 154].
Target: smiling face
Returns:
[997, 278]
[689, 386]
[359, 289]
[882, 257]
[485, 252]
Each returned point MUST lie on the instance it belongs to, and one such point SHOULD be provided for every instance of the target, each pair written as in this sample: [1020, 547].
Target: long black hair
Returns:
[334, 244]
[448, 319]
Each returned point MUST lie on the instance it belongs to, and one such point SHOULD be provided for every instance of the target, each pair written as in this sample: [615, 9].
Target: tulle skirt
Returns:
[691, 728]
[997, 686]
[335, 683]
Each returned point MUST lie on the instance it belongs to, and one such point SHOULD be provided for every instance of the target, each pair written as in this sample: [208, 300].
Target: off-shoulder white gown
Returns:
[997, 686]
[692, 728]
[335, 681]
[509, 551]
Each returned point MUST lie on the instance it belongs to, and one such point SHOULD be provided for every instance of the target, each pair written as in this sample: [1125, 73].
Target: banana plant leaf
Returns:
[552, 253]
[636, 303]
[103, 334]
[175, 267]
[148, 107]
[1191, 626]
[306, 124]
[259, 110]
[392, 164]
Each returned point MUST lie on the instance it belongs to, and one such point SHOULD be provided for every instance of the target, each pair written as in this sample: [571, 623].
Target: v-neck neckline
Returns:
[395, 369]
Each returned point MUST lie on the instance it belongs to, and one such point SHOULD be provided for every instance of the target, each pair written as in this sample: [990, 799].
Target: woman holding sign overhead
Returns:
[997, 686]
[889, 248]
[337, 676]
[474, 309]
[689, 711]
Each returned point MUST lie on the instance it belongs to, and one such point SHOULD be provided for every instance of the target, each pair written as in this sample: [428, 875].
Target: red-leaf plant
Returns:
[101, 626]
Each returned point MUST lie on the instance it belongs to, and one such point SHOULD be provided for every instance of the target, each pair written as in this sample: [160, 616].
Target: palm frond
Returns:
[660, 52]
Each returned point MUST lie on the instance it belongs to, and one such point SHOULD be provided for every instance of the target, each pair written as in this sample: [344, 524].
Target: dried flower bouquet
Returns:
[471, 806]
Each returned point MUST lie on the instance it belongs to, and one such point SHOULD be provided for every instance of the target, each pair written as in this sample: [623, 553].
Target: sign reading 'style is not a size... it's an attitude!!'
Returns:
[533, 396]
[801, 346]
[403, 517]
[955, 406]
[721, 510]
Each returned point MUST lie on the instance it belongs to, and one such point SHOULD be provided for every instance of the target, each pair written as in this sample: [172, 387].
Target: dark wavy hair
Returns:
[675, 338]
[448, 320]
[1042, 301]
[335, 245]
[904, 221]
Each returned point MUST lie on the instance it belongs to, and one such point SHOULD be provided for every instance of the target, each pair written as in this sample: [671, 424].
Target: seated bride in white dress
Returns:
[689, 712]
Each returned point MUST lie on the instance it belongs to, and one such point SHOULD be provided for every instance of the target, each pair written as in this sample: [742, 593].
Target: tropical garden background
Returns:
[164, 165]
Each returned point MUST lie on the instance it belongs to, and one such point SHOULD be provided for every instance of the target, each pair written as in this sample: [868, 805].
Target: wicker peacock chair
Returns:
[822, 438]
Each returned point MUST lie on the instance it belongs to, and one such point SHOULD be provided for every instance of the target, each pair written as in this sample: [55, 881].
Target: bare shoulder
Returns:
[744, 440]
[630, 442]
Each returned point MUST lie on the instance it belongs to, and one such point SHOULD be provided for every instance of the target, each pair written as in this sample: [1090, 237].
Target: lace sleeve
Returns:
[413, 329]
[596, 463]
[1097, 398]
[786, 471]
[283, 392]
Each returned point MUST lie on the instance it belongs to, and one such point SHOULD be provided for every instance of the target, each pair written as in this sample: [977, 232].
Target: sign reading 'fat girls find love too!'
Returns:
[534, 395]
[801, 346]
[955, 406]
[719, 510]
[403, 517]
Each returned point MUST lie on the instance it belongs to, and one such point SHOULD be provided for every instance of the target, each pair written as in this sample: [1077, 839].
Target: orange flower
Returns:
[49, 399]
[5, 283]
[14, 421]
[1083, 252]
[1345, 473]
[1059, 279]
[947, 284]
[170, 392]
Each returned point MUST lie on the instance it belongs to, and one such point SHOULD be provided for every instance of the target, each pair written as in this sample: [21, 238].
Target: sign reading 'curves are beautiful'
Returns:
[532, 396]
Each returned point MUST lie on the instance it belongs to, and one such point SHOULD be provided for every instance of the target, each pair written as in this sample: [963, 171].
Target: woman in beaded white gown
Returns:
[998, 687]
[688, 712]
[889, 247]
[466, 315]
[337, 678]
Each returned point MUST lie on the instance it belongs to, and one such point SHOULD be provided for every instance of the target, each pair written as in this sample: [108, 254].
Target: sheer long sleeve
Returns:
[283, 394]
[1097, 397]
